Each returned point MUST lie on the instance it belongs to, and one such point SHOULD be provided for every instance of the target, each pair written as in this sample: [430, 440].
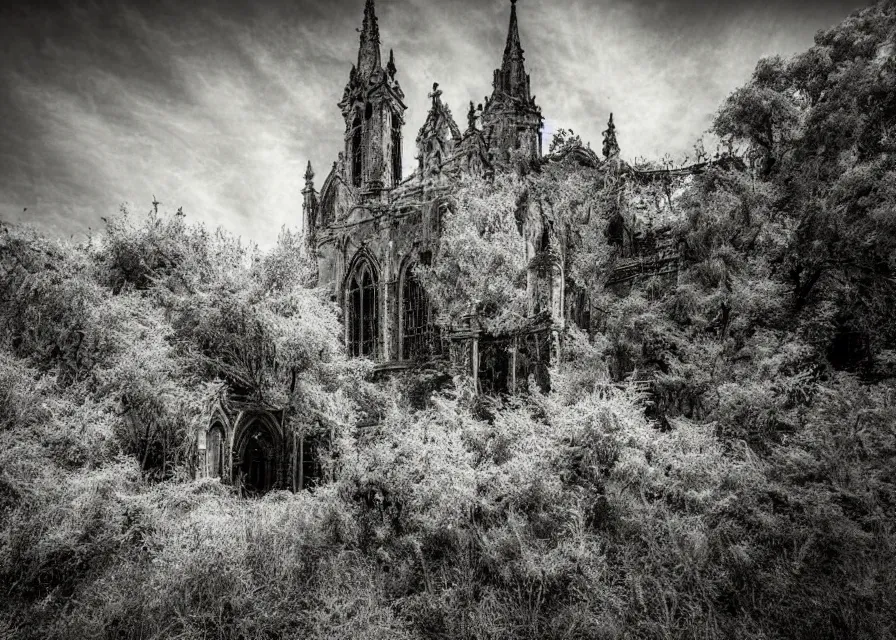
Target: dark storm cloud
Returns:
[217, 107]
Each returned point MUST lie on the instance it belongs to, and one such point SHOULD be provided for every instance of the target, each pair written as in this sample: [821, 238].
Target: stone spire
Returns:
[369, 52]
[373, 108]
[611, 145]
[511, 121]
[512, 78]
[513, 49]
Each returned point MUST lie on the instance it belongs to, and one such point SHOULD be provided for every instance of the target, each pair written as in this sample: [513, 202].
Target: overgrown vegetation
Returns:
[751, 494]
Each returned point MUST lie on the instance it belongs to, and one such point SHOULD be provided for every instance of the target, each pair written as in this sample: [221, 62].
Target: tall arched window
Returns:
[357, 144]
[396, 149]
[363, 312]
[419, 338]
[215, 451]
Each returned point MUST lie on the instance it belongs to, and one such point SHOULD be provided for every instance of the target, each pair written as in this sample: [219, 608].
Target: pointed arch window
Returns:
[419, 335]
[363, 311]
[357, 144]
[215, 451]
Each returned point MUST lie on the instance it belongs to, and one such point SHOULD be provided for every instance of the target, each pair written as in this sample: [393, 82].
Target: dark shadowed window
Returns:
[363, 312]
[419, 336]
[312, 474]
[357, 143]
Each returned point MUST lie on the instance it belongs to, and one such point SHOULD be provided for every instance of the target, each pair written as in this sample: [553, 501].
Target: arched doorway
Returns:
[258, 457]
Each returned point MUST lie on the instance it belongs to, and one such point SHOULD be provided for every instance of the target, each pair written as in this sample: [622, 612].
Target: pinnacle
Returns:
[369, 51]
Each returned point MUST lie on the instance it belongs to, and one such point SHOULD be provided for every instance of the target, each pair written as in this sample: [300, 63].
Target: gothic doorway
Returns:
[258, 455]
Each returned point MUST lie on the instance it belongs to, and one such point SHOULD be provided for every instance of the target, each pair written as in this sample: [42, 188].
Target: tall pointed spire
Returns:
[369, 52]
[513, 49]
[511, 78]
[511, 120]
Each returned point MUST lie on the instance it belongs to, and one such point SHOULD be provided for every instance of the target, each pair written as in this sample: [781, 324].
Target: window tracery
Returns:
[420, 337]
[363, 311]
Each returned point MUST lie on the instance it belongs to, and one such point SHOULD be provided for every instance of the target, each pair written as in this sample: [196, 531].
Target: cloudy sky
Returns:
[218, 106]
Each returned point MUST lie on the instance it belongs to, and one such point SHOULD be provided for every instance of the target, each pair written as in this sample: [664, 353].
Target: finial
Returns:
[390, 67]
[309, 173]
[436, 94]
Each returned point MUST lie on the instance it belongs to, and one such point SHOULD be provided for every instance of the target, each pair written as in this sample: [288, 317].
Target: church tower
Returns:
[511, 119]
[373, 108]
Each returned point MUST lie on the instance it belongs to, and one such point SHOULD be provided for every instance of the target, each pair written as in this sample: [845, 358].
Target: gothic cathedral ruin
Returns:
[369, 226]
